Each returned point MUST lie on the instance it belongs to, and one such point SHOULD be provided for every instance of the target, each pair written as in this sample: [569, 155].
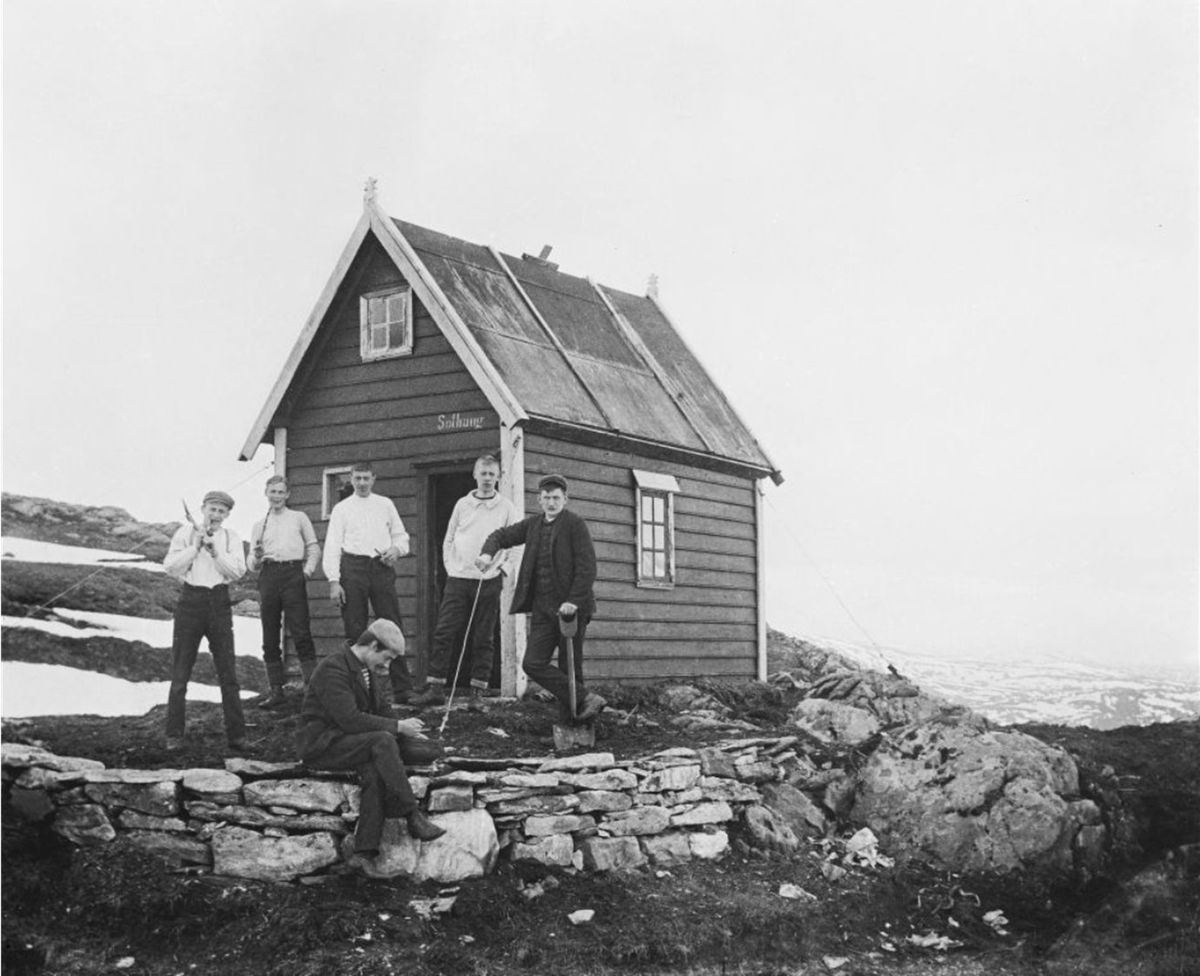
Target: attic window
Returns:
[385, 324]
[655, 501]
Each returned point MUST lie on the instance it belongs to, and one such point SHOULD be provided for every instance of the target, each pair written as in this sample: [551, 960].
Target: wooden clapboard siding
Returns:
[385, 411]
[706, 624]
[648, 667]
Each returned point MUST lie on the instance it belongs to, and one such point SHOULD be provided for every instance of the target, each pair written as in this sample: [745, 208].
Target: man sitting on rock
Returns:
[346, 724]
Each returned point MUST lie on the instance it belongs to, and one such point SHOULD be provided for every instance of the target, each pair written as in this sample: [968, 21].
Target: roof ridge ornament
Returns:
[652, 287]
[369, 190]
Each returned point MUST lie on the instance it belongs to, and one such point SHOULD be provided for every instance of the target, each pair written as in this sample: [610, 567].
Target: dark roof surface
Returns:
[598, 357]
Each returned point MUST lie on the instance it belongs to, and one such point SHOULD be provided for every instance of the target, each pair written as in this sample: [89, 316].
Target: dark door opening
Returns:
[444, 492]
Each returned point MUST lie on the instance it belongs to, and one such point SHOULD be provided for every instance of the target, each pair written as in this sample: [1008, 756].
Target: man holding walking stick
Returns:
[556, 578]
[470, 603]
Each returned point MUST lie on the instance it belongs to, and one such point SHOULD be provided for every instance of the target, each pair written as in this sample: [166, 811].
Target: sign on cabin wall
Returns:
[448, 423]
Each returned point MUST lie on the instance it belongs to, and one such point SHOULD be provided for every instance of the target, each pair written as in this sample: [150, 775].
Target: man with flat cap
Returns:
[346, 723]
[556, 578]
[207, 558]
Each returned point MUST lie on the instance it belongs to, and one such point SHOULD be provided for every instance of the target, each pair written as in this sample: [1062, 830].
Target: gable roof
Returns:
[545, 345]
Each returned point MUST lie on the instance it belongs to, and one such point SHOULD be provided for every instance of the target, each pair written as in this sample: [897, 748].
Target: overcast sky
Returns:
[940, 255]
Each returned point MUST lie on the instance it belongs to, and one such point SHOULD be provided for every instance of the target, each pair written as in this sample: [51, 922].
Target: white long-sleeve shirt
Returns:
[471, 522]
[198, 568]
[362, 527]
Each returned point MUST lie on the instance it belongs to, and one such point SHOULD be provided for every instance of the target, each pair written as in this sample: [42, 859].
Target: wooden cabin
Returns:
[425, 351]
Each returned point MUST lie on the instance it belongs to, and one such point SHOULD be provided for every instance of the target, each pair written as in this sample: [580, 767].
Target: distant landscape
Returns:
[1012, 691]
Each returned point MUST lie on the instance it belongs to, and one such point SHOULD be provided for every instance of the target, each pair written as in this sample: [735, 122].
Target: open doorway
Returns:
[444, 491]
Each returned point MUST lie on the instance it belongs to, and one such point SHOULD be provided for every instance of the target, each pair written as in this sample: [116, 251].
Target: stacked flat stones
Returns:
[280, 822]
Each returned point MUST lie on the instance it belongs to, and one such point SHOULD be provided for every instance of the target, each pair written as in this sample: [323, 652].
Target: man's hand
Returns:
[568, 610]
[413, 728]
[336, 593]
[483, 562]
[389, 556]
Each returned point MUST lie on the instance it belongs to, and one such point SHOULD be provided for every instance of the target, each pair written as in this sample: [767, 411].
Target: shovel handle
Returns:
[569, 647]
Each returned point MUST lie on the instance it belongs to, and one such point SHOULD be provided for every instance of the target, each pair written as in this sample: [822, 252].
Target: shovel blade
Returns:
[570, 736]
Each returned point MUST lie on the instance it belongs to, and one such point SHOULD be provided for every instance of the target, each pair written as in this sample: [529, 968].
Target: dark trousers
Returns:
[204, 613]
[385, 788]
[544, 641]
[367, 581]
[448, 637]
[282, 592]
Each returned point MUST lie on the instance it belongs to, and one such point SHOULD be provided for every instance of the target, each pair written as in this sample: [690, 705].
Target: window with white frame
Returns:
[385, 324]
[655, 501]
[335, 485]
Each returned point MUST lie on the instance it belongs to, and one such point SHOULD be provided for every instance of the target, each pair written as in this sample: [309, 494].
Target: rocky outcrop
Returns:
[975, 800]
[99, 527]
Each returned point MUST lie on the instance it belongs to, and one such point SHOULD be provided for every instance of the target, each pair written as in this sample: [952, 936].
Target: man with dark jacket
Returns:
[346, 724]
[557, 573]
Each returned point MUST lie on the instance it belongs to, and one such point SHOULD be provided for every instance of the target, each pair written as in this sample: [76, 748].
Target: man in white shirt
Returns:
[471, 597]
[285, 554]
[207, 558]
[364, 540]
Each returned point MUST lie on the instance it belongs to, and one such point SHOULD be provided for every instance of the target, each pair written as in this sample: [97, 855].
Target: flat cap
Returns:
[223, 497]
[551, 481]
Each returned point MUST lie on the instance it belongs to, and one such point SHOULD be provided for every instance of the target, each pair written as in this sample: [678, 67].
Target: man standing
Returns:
[471, 597]
[207, 558]
[556, 578]
[346, 725]
[364, 540]
[285, 553]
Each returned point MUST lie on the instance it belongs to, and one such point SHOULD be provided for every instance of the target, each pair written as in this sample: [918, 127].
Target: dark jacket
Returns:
[572, 558]
[337, 703]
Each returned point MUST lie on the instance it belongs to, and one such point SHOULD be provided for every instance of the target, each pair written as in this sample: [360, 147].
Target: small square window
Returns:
[335, 485]
[385, 324]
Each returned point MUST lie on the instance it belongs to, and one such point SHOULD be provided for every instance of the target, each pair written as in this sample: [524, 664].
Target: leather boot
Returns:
[275, 698]
[307, 667]
[422, 828]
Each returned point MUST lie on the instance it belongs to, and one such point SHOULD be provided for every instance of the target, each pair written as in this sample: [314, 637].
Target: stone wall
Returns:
[273, 821]
[589, 812]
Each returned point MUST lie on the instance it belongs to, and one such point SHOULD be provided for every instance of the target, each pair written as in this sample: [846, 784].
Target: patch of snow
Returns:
[28, 689]
[33, 551]
[247, 631]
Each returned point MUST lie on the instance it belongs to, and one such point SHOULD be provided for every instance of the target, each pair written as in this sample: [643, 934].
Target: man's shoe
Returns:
[275, 698]
[593, 705]
[368, 863]
[240, 745]
[173, 743]
[429, 697]
[422, 828]
[475, 702]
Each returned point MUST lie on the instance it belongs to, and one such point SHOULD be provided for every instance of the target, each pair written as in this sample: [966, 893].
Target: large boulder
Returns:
[969, 799]
[468, 849]
[834, 723]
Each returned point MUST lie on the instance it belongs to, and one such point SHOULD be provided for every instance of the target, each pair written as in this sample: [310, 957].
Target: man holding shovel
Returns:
[555, 582]
[285, 555]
